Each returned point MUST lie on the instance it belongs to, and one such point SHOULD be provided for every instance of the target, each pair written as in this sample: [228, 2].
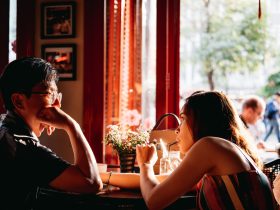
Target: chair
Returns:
[271, 169]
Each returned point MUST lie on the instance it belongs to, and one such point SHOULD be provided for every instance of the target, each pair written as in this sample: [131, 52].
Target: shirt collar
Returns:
[16, 124]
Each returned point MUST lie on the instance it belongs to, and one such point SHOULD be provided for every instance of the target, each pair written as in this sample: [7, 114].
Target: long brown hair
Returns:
[211, 113]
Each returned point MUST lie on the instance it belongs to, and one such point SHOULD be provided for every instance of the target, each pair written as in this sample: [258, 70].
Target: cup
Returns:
[102, 167]
[174, 159]
[164, 166]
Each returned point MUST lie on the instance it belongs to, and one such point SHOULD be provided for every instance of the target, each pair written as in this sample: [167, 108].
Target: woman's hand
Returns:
[146, 154]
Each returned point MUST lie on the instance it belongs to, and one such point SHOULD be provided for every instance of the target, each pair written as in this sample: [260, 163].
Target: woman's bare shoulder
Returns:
[222, 154]
[213, 141]
[214, 144]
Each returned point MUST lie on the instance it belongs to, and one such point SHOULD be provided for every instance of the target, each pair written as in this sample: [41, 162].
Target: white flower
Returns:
[124, 140]
[132, 118]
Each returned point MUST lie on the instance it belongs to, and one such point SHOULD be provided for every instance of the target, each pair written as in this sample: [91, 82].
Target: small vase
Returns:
[127, 162]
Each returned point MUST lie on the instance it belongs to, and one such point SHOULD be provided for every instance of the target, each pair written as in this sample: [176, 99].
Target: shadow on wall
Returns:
[59, 143]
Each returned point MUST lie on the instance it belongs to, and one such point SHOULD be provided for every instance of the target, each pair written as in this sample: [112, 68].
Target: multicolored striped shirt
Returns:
[245, 190]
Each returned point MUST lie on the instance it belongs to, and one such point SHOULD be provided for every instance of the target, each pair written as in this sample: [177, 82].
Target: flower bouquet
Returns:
[124, 138]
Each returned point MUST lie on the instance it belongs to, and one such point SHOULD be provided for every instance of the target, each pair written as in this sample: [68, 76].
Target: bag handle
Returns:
[158, 123]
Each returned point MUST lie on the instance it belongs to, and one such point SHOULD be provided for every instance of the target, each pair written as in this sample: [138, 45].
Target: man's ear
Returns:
[18, 100]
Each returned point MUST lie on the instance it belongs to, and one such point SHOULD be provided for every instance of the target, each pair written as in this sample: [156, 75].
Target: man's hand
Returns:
[54, 117]
[50, 129]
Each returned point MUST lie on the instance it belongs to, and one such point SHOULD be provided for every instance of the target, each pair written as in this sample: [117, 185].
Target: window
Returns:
[224, 43]
[130, 63]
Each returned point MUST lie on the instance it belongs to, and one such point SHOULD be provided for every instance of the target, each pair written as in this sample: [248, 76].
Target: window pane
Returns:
[130, 65]
[223, 45]
[148, 62]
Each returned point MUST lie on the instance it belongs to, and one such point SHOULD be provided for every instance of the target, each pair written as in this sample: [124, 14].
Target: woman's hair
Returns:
[21, 75]
[211, 113]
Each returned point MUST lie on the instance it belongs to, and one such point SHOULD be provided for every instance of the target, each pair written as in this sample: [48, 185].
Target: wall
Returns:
[72, 99]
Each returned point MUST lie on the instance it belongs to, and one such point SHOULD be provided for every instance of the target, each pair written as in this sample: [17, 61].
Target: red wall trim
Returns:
[25, 28]
[168, 58]
[4, 39]
[4, 35]
[94, 88]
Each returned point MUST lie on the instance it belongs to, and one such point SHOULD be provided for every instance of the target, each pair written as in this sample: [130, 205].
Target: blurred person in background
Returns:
[272, 116]
[252, 113]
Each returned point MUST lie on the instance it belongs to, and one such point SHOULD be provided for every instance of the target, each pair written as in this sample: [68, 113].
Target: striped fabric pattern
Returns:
[248, 190]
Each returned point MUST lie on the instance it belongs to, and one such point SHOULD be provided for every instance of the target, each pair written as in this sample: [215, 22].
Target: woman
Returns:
[218, 157]
[219, 161]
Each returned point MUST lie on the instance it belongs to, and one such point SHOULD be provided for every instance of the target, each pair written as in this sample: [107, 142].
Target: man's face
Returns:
[41, 97]
[255, 114]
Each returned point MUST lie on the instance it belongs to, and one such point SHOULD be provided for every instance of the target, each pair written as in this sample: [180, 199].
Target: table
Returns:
[128, 199]
[115, 200]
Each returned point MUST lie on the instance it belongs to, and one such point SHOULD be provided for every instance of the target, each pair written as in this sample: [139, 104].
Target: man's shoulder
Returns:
[24, 139]
[9, 139]
[5, 134]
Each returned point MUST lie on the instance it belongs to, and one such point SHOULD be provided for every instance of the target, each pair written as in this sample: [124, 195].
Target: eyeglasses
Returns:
[52, 96]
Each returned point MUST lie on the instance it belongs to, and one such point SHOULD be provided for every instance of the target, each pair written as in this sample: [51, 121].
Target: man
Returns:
[32, 101]
[272, 116]
[251, 114]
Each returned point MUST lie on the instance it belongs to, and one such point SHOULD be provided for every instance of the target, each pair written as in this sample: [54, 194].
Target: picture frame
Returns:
[58, 20]
[63, 58]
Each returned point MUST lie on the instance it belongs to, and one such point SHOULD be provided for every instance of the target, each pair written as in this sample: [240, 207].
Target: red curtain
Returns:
[123, 58]
[106, 59]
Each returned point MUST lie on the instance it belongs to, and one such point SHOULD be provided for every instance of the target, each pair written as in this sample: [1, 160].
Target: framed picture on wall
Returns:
[63, 59]
[58, 20]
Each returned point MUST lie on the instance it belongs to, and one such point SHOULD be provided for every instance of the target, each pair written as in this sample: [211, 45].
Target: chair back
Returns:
[271, 169]
[168, 136]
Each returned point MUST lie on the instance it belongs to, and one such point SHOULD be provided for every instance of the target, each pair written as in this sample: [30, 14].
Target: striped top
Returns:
[246, 190]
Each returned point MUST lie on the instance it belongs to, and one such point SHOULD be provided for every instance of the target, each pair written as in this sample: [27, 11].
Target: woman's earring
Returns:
[177, 130]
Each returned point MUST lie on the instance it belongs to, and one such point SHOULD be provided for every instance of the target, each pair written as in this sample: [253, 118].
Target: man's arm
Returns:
[82, 176]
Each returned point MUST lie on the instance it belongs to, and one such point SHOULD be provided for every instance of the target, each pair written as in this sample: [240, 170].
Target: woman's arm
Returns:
[126, 180]
[182, 180]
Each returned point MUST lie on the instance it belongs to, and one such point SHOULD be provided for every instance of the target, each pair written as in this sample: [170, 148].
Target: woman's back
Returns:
[245, 190]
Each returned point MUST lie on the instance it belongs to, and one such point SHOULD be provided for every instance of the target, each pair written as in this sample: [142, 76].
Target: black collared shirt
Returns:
[25, 164]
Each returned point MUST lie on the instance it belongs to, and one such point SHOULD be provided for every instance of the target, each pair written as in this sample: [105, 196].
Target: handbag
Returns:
[164, 138]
